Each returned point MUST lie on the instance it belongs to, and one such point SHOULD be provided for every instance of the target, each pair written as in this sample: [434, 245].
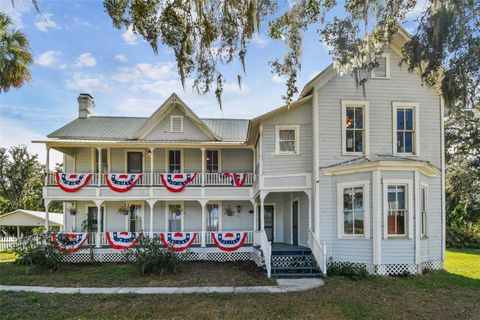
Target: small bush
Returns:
[463, 235]
[150, 257]
[349, 270]
[38, 251]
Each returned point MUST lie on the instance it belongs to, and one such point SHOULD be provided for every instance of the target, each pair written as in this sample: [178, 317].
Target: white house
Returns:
[338, 176]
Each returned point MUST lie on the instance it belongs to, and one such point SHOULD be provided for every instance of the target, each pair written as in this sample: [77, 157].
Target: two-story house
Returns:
[348, 174]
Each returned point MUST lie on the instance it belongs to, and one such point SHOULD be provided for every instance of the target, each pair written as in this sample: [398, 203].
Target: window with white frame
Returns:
[397, 210]
[353, 209]
[287, 140]
[423, 210]
[212, 161]
[104, 160]
[355, 127]
[382, 70]
[175, 212]
[174, 161]
[405, 121]
[213, 217]
[176, 123]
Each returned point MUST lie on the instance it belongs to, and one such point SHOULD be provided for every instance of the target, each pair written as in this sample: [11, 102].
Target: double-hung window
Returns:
[397, 209]
[287, 140]
[212, 160]
[423, 210]
[174, 161]
[353, 199]
[405, 123]
[174, 217]
[355, 127]
[104, 161]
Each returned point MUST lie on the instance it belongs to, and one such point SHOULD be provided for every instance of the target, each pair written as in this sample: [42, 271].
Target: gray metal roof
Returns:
[124, 128]
[370, 159]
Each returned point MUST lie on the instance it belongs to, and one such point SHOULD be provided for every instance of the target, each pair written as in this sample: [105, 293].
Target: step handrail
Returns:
[319, 251]
[266, 247]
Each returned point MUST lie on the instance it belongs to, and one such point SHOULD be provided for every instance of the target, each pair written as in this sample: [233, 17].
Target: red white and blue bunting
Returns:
[236, 179]
[71, 182]
[123, 240]
[122, 182]
[176, 182]
[229, 241]
[69, 242]
[178, 241]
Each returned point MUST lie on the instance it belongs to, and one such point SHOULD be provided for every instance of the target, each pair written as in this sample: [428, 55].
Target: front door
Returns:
[295, 222]
[269, 218]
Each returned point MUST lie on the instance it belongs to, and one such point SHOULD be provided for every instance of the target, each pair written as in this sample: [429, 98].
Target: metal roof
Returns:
[55, 218]
[370, 159]
[124, 128]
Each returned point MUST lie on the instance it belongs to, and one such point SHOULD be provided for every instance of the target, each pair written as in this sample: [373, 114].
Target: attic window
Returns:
[382, 71]
[176, 123]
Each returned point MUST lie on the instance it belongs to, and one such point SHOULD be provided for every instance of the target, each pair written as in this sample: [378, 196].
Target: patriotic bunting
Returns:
[229, 241]
[236, 179]
[71, 182]
[123, 240]
[176, 182]
[69, 242]
[122, 182]
[178, 241]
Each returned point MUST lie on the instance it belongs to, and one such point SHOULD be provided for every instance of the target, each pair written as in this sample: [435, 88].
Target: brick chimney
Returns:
[85, 105]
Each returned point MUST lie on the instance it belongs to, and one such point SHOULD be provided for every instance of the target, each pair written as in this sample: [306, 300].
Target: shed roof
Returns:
[30, 218]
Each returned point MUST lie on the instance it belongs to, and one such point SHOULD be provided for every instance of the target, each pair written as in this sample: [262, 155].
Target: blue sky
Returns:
[77, 50]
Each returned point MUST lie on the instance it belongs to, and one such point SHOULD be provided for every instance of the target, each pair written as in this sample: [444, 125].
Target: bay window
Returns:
[352, 203]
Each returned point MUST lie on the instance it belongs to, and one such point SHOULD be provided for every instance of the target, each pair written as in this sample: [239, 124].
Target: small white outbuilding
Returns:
[28, 218]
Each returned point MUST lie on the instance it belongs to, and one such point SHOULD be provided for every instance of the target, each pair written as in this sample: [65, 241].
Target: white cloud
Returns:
[129, 37]
[259, 41]
[279, 79]
[121, 58]
[15, 11]
[45, 22]
[48, 58]
[419, 8]
[86, 60]
[12, 133]
[87, 82]
[145, 73]
[138, 106]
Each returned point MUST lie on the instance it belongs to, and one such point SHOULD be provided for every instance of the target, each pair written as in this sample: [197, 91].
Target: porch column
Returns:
[99, 182]
[203, 203]
[47, 161]
[18, 232]
[151, 203]
[203, 167]
[262, 210]
[98, 238]
[47, 216]
[255, 214]
[151, 167]
[309, 197]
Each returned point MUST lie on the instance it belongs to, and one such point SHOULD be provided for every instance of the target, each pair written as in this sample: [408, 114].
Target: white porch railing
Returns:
[266, 247]
[149, 179]
[319, 251]
[7, 243]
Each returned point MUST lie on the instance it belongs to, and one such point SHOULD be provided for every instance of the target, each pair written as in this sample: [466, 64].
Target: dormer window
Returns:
[176, 123]
[382, 71]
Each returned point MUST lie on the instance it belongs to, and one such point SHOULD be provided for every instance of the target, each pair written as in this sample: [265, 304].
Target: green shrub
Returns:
[464, 235]
[150, 257]
[38, 251]
[349, 270]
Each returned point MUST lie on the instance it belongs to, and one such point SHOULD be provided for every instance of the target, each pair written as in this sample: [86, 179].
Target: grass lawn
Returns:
[443, 295]
[125, 275]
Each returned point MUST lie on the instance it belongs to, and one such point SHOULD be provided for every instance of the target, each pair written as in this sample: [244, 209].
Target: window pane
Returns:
[349, 142]
[400, 142]
[359, 222]
[347, 199]
[392, 198]
[135, 162]
[401, 223]
[174, 161]
[408, 142]
[358, 198]
[287, 146]
[212, 161]
[348, 222]
[349, 117]
[358, 118]
[358, 140]
[409, 119]
[400, 119]
[401, 197]
[213, 217]
[287, 135]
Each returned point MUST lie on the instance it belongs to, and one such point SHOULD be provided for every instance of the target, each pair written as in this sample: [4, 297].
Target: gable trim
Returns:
[162, 112]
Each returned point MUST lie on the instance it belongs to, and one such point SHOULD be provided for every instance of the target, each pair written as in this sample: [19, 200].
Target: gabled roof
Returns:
[53, 218]
[172, 102]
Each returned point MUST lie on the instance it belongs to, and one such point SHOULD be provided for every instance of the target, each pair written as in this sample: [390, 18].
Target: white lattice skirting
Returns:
[115, 256]
[394, 269]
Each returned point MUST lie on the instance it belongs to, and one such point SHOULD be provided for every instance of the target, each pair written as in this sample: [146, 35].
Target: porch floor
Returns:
[288, 247]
